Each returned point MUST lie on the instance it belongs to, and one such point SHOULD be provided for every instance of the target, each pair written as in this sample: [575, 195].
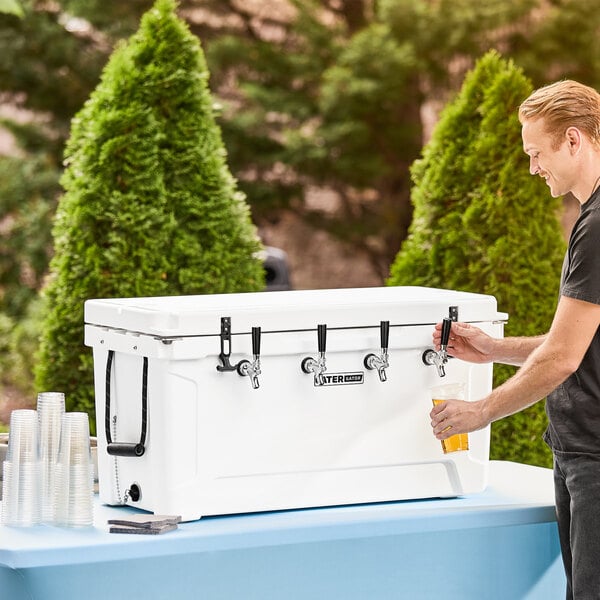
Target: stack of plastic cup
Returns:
[50, 409]
[21, 471]
[74, 482]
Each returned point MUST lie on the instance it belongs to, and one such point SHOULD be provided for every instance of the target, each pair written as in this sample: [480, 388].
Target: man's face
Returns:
[553, 164]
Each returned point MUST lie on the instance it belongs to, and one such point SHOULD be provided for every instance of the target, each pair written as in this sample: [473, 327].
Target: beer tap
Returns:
[252, 369]
[372, 361]
[318, 367]
[440, 358]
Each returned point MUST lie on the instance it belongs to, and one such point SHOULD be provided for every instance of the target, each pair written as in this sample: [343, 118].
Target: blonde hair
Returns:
[562, 105]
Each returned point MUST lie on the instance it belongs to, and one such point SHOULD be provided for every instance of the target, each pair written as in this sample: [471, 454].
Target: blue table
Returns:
[500, 544]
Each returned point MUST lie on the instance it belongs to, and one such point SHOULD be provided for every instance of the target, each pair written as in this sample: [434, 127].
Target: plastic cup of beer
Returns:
[451, 391]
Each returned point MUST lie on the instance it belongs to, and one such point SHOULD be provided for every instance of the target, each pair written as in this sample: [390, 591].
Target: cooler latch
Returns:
[245, 368]
[225, 346]
[126, 448]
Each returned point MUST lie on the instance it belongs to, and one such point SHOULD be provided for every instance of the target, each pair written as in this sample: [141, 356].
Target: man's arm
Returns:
[471, 344]
[516, 350]
[558, 355]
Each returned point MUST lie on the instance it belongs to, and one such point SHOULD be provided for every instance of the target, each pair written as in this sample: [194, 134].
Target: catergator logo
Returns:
[343, 378]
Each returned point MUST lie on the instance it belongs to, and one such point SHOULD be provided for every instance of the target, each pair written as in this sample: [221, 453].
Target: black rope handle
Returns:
[126, 448]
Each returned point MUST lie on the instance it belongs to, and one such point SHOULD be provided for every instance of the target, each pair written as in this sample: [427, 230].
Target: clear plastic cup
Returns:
[21, 471]
[23, 441]
[451, 391]
[74, 479]
[50, 409]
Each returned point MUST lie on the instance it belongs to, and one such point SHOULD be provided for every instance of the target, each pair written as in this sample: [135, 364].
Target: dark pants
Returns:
[577, 490]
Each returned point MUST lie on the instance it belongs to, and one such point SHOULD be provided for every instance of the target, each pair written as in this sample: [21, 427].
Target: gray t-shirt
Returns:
[574, 407]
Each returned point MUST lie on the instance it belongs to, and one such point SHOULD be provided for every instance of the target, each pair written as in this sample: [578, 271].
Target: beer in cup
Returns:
[451, 391]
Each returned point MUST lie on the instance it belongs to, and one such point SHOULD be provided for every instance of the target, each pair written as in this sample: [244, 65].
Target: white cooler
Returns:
[193, 420]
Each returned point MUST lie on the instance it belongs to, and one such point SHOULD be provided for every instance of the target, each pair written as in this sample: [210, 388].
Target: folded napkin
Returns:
[144, 524]
[142, 530]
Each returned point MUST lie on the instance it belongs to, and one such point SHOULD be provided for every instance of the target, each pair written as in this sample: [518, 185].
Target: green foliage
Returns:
[26, 209]
[6, 326]
[36, 81]
[316, 103]
[277, 85]
[456, 31]
[45, 67]
[11, 7]
[560, 43]
[18, 344]
[483, 224]
[150, 207]
[335, 102]
[116, 19]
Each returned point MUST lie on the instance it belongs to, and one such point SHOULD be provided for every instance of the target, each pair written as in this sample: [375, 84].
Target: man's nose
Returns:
[533, 166]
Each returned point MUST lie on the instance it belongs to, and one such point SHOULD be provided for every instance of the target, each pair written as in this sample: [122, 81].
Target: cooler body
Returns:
[217, 442]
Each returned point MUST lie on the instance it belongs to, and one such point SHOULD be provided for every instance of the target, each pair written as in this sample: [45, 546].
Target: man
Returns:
[561, 136]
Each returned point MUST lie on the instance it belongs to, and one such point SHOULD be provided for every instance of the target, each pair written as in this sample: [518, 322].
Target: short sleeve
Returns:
[581, 276]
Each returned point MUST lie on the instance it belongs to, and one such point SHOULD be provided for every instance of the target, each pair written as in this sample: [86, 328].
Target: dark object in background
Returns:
[277, 276]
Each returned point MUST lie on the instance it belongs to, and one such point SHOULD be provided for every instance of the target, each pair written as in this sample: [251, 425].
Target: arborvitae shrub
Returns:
[483, 224]
[150, 207]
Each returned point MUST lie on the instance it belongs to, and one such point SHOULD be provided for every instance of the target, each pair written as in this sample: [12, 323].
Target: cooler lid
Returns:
[296, 310]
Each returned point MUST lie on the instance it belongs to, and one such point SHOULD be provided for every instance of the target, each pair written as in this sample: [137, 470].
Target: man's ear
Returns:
[574, 139]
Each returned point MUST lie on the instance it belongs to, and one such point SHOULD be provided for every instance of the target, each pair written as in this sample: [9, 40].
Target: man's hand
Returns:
[466, 342]
[450, 417]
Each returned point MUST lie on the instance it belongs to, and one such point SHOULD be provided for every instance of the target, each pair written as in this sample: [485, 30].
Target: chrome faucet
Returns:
[252, 369]
[318, 366]
[440, 358]
[380, 362]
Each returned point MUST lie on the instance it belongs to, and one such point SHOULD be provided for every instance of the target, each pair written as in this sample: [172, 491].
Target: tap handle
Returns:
[384, 330]
[256, 341]
[446, 326]
[322, 337]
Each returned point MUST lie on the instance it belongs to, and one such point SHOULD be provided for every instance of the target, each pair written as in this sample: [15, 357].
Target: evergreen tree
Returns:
[482, 223]
[150, 207]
